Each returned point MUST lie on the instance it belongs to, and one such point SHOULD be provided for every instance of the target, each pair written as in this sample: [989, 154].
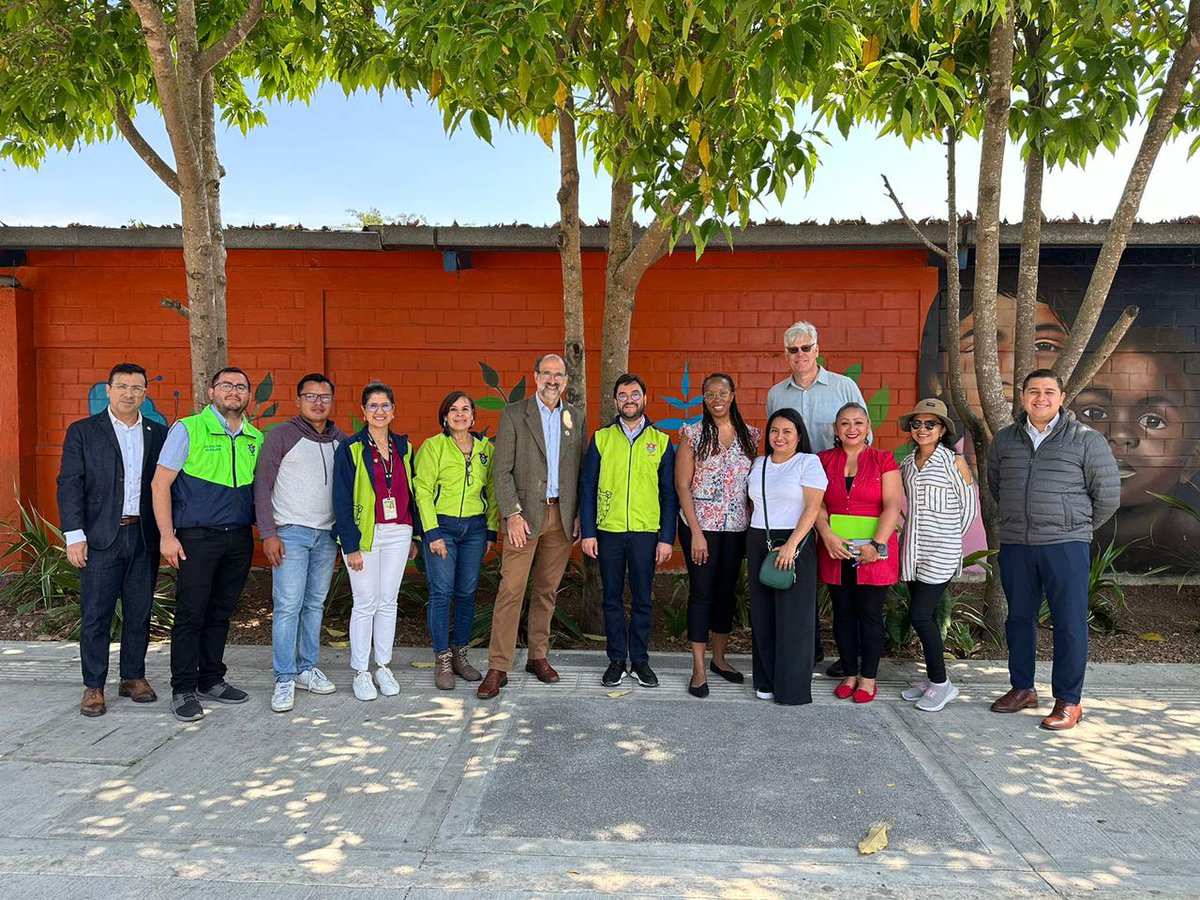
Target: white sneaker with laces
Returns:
[363, 687]
[386, 681]
[284, 698]
[315, 681]
[914, 691]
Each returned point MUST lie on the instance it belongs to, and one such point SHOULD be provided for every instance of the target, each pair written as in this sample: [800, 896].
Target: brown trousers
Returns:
[546, 554]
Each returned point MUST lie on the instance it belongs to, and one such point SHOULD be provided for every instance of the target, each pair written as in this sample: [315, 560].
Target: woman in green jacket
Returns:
[453, 486]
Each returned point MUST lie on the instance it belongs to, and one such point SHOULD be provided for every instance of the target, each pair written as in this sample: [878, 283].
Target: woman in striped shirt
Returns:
[941, 506]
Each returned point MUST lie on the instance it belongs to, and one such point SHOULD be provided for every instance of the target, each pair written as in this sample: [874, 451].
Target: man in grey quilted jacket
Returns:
[1056, 482]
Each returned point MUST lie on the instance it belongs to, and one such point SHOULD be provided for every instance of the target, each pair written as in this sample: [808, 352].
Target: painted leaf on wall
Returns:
[878, 405]
[490, 378]
[262, 393]
[517, 393]
[490, 403]
[852, 372]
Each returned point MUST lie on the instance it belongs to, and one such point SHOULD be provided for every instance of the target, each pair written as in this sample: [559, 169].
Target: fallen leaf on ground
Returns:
[1150, 636]
[421, 664]
[339, 645]
[876, 839]
[616, 694]
[599, 638]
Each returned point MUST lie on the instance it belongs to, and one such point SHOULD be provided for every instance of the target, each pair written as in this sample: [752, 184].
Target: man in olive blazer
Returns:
[539, 451]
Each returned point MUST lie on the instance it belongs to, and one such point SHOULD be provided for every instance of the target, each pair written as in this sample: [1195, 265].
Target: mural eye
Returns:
[1152, 422]
[1044, 346]
[1093, 413]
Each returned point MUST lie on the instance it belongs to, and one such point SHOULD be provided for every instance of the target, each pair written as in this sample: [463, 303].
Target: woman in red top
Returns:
[863, 481]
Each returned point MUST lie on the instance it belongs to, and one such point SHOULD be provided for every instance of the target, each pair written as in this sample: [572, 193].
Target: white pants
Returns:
[376, 589]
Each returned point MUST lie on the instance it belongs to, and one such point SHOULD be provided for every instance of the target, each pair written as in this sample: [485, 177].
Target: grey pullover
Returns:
[293, 483]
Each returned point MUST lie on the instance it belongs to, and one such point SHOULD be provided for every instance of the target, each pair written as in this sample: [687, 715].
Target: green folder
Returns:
[852, 528]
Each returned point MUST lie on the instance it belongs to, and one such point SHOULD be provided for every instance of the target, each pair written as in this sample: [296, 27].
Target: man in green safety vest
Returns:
[204, 504]
[628, 509]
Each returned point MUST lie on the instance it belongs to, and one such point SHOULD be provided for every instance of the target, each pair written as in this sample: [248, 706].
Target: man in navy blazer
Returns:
[104, 507]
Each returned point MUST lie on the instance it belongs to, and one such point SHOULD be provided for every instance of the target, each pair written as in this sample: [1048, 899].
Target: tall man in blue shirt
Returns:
[817, 394]
[108, 525]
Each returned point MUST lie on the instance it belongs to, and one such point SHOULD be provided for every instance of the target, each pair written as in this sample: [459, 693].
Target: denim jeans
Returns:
[299, 587]
[454, 579]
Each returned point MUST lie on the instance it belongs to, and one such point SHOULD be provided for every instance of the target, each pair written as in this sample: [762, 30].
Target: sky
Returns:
[311, 164]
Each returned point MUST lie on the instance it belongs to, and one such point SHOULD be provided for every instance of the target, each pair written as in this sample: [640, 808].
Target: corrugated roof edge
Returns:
[533, 238]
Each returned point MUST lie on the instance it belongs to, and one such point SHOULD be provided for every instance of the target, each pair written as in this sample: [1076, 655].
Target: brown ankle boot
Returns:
[462, 666]
[443, 670]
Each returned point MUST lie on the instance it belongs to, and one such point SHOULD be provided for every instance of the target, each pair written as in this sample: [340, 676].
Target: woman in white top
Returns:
[782, 620]
[941, 507]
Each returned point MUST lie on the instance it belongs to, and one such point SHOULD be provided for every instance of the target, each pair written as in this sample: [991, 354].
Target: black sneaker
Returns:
[223, 692]
[645, 675]
[613, 674]
[186, 707]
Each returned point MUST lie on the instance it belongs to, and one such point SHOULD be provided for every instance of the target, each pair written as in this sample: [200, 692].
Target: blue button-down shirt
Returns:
[817, 404]
[1038, 436]
[552, 433]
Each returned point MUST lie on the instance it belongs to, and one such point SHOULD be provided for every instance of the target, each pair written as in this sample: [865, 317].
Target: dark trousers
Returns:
[782, 623]
[712, 586]
[1060, 571]
[124, 569]
[858, 622]
[627, 553]
[923, 599]
[209, 585]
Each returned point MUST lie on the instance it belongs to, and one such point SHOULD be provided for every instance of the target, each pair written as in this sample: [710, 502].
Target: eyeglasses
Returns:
[552, 376]
[136, 389]
[914, 425]
[710, 396]
[318, 398]
[803, 348]
[633, 397]
[229, 386]
[380, 407]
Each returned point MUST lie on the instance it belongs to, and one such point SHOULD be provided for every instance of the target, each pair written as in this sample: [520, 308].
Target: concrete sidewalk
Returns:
[569, 790]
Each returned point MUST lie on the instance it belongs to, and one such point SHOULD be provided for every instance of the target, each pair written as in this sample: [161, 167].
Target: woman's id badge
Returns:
[389, 508]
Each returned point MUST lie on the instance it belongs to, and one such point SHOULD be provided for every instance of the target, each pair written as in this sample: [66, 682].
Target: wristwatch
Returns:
[880, 548]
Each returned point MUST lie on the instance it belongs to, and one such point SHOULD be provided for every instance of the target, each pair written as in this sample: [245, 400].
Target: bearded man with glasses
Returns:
[817, 394]
[204, 503]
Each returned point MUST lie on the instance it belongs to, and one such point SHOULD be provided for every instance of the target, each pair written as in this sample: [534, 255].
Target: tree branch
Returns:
[1086, 371]
[216, 54]
[141, 146]
[168, 303]
[912, 226]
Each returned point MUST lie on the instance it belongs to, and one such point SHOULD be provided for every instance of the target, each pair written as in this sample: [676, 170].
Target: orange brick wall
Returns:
[398, 317]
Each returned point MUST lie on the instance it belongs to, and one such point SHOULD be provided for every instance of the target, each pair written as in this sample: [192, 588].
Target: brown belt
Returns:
[130, 520]
[552, 501]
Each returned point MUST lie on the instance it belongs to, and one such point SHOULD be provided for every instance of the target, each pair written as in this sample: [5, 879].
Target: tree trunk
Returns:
[571, 257]
[618, 298]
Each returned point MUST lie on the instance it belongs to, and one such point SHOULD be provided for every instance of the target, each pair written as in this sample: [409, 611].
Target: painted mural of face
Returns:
[1049, 337]
[1139, 403]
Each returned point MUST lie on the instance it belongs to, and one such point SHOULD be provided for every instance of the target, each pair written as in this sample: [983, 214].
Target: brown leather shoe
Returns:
[491, 684]
[1065, 715]
[542, 669]
[92, 703]
[1016, 700]
[138, 690]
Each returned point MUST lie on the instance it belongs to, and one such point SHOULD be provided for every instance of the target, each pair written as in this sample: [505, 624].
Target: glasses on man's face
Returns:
[380, 407]
[914, 425]
[712, 396]
[136, 389]
[633, 397]
[227, 387]
[802, 348]
[552, 376]
[318, 398]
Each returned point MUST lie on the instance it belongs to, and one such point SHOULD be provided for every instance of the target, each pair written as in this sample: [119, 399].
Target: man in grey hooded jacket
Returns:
[293, 499]
[1056, 482]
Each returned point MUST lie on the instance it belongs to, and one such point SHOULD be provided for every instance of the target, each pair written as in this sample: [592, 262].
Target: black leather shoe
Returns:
[837, 670]
[701, 691]
[728, 674]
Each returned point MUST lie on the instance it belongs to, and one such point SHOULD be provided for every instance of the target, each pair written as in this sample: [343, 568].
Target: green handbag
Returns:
[769, 575]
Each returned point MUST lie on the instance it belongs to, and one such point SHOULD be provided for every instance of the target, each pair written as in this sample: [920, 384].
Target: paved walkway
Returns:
[579, 790]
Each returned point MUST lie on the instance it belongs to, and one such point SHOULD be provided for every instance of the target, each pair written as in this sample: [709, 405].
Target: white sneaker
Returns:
[316, 681]
[386, 681]
[285, 696]
[914, 691]
[764, 695]
[936, 696]
[363, 688]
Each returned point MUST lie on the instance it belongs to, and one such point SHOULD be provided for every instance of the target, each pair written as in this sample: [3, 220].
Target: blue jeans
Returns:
[299, 587]
[454, 579]
[632, 553]
[1060, 571]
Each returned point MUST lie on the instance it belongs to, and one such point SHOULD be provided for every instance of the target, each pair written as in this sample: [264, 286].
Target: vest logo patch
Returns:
[253, 449]
[651, 448]
[483, 458]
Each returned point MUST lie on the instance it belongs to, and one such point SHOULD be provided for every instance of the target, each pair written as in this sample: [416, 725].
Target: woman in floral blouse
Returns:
[711, 468]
